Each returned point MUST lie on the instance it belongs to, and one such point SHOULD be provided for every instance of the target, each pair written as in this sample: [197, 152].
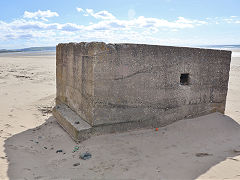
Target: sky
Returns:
[34, 23]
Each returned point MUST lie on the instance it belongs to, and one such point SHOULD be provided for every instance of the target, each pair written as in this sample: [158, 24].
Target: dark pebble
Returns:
[85, 156]
[76, 164]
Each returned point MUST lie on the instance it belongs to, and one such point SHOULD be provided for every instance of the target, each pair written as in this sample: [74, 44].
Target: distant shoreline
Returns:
[31, 49]
[28, 53]
[53, 48]
[9, 51]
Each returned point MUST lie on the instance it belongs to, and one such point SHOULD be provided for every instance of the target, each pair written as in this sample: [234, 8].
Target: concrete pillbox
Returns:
[106, 88]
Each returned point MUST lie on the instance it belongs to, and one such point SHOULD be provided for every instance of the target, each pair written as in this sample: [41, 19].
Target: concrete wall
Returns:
[112, 83]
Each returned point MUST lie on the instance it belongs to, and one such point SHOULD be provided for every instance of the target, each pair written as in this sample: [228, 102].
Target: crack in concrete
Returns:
[133, 74]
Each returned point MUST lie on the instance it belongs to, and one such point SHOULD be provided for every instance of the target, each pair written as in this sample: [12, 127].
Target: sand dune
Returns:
[207, 147]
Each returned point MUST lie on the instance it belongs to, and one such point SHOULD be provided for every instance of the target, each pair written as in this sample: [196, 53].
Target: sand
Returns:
[206, 147]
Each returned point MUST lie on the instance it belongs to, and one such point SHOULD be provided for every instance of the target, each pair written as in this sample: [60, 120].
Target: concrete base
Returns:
[71, 122]
[80, 130]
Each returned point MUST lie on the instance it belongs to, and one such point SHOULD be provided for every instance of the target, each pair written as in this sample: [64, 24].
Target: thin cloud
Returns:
[70, 27]
[99, 15]
[33, 25]
[43, 15]
[79, 9]
[223, 20]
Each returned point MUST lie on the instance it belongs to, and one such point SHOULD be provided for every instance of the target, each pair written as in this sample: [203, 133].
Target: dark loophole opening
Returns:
[184, 79]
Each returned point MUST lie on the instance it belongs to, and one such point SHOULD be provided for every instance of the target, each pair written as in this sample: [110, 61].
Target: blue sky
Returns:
[26, 23]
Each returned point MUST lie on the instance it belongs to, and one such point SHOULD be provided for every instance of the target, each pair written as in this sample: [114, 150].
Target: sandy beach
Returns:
[34, 146]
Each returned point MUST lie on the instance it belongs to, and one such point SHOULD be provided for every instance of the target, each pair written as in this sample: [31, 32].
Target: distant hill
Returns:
[49, 48]
[8, 51]
[53, 48]
[222, 46]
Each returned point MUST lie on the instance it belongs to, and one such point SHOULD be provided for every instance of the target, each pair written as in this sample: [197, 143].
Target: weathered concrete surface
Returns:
[121, 85]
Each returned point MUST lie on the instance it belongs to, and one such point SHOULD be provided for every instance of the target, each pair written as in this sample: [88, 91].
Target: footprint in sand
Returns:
[7, 125]
[22, 76]
[202, 154]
